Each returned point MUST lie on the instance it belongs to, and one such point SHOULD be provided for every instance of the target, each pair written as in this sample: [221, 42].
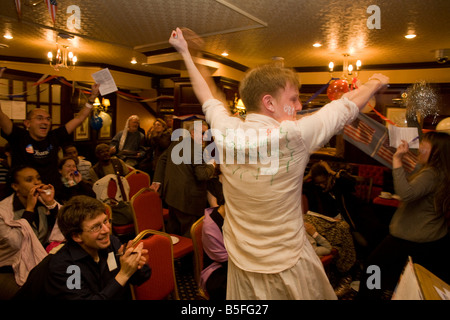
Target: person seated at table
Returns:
[128, 144]
[324, 188]
[72, 183]
[105, 266]
[332, 193]
[420, 225]
[27, 219]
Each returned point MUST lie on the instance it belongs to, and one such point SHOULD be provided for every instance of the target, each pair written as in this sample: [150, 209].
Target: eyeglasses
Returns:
[42, 118]
[97, 227]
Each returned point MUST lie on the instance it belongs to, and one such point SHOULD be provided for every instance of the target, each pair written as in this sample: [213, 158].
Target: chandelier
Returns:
[63, 58]
[347, 69]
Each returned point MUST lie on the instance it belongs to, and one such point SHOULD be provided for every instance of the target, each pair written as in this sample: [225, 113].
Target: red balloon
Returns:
[337, 88]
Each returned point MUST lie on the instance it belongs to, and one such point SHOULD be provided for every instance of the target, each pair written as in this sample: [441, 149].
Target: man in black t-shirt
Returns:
[38, 145]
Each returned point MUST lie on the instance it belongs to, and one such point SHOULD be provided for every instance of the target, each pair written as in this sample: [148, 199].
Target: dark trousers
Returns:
[180, 222]
[216, 285]
[391, 256]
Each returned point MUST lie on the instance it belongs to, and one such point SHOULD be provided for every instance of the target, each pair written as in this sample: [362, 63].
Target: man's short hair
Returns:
[100, 147]
[262, 80]
[30, 113]
[75, 211]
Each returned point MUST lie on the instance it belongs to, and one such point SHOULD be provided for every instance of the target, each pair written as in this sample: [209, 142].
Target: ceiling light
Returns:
[8, 36]
[410, 36]
[133, 61]
[317, 45]
[224, 54]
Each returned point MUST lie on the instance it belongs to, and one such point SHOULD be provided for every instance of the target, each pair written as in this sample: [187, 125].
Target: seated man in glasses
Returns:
[38, 144]
[93, 264]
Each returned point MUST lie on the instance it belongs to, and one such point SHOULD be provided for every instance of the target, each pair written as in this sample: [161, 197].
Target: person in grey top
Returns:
[128, 144]
[419, 227]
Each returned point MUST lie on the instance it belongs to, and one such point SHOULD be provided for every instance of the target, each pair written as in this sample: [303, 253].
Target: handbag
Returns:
[121, 210]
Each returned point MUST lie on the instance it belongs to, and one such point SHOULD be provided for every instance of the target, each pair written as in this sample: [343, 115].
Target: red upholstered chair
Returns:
[162, 282]
[196, 235]
[148, 214]
[137, 180]
[363, 188]
[377, 174]
[165, 214]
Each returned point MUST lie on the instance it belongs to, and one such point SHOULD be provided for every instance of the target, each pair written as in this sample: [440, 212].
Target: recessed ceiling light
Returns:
[133, 61]
[410, 36]
[317, 45]
[8, 36]
[224, 54]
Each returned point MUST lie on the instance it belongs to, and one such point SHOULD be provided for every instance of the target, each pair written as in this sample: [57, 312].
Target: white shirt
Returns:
[263, 229]
[83, 167]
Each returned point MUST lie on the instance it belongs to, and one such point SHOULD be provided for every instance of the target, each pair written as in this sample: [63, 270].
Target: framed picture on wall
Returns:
[82, 131]
[396, 115]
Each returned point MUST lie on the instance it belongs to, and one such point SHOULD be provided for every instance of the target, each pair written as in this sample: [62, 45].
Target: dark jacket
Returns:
[53, 278]
[184, 184]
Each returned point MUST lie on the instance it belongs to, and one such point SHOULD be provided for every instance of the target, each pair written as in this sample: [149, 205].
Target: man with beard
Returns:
[37, 145]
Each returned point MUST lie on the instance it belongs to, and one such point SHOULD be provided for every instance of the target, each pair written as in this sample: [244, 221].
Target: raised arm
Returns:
[362, 95]
[199, 84]
[84, 113]
[5, 123]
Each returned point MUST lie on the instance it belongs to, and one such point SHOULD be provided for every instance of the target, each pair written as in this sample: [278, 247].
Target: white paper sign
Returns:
[106, 81]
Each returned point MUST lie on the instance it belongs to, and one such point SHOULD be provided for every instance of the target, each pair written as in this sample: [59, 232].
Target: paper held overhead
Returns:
[106, 81]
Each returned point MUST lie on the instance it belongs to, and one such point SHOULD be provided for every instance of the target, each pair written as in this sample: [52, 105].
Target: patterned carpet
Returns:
[187, 287]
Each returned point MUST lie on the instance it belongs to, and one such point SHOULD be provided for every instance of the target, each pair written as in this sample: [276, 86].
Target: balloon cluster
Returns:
[421, 99]
[96, 122]
[101, 119]
[336, 89]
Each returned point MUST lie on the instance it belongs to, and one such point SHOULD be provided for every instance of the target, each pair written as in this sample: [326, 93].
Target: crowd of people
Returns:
[258, 242]
[49, 205]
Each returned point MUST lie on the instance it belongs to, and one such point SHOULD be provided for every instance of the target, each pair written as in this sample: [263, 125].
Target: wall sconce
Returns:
[99, 107]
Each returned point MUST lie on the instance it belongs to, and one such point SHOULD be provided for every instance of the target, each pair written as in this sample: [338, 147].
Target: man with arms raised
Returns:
[38, 145]
[269, 254]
